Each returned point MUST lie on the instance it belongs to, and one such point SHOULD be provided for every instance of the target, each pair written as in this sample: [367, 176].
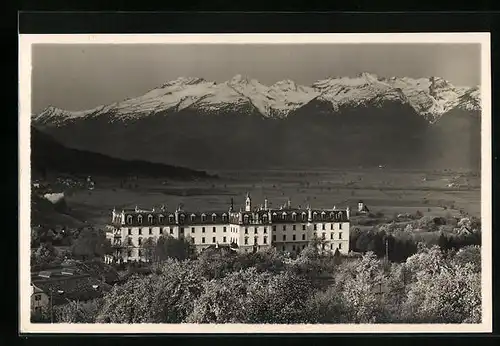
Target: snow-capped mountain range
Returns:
[430, 97]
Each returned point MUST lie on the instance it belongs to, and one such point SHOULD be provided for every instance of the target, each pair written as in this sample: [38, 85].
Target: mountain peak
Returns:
[240, 79]
[184, 81]
[285, 84]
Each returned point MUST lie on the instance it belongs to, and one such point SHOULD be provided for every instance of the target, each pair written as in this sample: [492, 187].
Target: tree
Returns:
[91, 243]
[149, 249]
[78, 312]
[170, 247]
[44, 255]
[166, 296]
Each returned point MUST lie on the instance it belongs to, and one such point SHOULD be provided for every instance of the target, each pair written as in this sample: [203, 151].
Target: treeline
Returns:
[398, 240]
[431, 286]
[84, 243]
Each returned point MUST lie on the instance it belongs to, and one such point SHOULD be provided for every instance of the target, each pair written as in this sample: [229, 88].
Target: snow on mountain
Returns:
[431, 97]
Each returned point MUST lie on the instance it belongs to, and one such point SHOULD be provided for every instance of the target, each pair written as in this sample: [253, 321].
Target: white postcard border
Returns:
[25, 43]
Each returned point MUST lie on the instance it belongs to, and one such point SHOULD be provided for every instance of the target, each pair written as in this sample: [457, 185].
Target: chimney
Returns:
[265, 204]
[309, 214]
[289, 203]
[347, 211]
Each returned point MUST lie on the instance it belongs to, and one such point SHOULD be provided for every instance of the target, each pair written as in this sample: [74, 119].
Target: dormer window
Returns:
[283, 216]
[332, 215]
[182, 217]
[193, 217]
[139, 219]
[304, 216]
[224, 217]
[294, 216]
[323, 214]
[274, 214]
[203, 217]
[160, 219]
[214, 217]
[150, 219]
[245, 218]
[129, 219]
[170, 218]
[264, 218]
[315, 215]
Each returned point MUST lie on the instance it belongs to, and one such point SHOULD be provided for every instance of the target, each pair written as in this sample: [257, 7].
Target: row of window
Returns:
[284, 215]
[298, 247]
[235, 229]
[323, 236]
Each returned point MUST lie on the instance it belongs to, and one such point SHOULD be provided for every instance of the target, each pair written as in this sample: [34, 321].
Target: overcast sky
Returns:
[78, 77]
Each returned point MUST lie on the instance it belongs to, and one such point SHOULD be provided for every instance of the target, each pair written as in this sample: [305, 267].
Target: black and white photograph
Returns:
[255, 183]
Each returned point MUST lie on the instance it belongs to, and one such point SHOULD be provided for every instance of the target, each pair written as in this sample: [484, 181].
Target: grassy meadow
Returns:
[386, 191]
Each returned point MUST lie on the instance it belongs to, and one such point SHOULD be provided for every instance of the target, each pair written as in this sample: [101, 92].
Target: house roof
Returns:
[80, 287]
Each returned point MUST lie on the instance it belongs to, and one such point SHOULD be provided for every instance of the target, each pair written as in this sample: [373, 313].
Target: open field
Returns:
[382, 190]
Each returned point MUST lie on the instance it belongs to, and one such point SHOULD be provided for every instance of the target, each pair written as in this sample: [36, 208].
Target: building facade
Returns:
[251, 229]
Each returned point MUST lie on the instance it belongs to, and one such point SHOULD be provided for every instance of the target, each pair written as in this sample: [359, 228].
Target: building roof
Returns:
[79, 287]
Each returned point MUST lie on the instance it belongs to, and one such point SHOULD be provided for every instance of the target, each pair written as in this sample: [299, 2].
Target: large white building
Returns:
[249, 229]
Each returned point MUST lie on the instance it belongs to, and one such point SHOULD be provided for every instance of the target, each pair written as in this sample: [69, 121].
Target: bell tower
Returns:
[248, 203]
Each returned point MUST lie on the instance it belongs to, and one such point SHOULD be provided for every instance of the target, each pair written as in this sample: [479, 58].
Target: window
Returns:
[303, 227]
[323, 236]
[284, 227]
[340, 235]
[192, 230]
[129, 241]
[284, 237]
[224, 239]
[264, 218]
[294, 216]
[224, 217]
[265, 240]
[303, 216]
[192, 217]
[331, 226]
[246, 241]
[181, 230]
[331, 246]
[139, 219]
[140, 231]
[303, 237]
[274, 228]
[213, 240]
[140, 241]
[129, 253]
[283, 248]
[224, 229]
[38, 297]
[214, 217]
[303, 247]
[213, 229]
[150, 219]
[160, 219]
[294, 237]
[331, 235]
[246, 230]
[315, 227]
[130, 231]
[256, 229]
[315, 215]
[129, 219]
[150, 231]
[323, 227]
[293, 247]
[171, 231]
[255, 240]
[265, 230]
[170, 218]
[340, 225]
[140, 252]
[340, 246]
[203, 217]
[246, 218]
[182, 217]
[203, 230]
[203, 240]
[283, 216]
[323, 215]
[274, 237]
[294, 227]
